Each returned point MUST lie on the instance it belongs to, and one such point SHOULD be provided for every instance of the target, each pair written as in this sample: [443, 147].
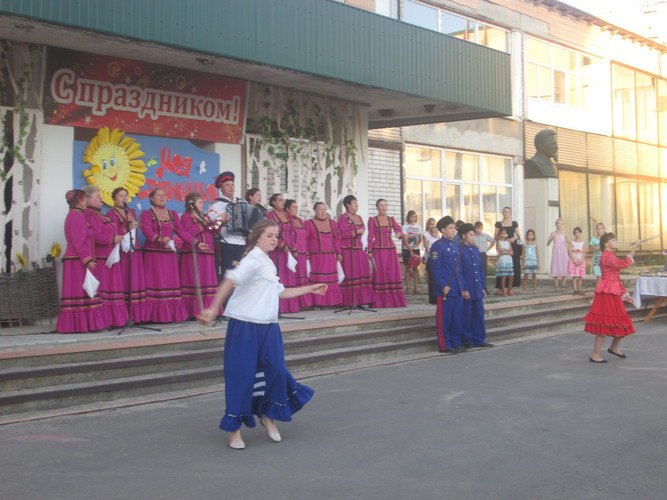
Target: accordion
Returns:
[242, 217]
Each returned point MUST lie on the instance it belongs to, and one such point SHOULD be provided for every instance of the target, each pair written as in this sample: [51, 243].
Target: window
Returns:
[649, 214]
[559, 75]
[454, 25]
[601, 201]
[627, 218]
[663, 201]
[639, 106]
[573, 206]
[465, 185]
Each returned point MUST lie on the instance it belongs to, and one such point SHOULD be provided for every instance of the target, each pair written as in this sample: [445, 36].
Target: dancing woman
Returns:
[356, 288]
[79, 312]
[324, 254]
[286, 245]
[196, 224]
[387, 282]
[607, 316]
[163, 284]
[112, 289]
[131, 263]
[257, 382]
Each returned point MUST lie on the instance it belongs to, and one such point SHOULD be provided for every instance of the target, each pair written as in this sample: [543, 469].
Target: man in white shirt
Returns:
[231, 245]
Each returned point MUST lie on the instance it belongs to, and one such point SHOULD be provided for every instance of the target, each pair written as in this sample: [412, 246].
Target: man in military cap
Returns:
[446, 272]
[230, 246]
[473, 291]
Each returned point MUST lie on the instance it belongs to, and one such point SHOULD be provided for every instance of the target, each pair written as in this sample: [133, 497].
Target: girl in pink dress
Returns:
[324, 255]
[387, 281]
[163, 283]
[301, 254]
[131, 263]
[78, 312]
[112, 291]
[286, 245]
[203, 242]
[559, 256]
[576, 266]
[356, 288]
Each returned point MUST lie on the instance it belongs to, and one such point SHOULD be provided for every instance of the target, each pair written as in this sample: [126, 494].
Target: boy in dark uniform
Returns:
[446, 272]
[473, 289]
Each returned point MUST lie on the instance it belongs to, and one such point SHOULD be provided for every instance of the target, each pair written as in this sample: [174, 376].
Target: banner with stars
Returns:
[93, 91]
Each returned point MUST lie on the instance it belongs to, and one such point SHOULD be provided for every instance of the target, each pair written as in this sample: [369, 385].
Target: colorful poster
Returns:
[140, 164]
[93, 91]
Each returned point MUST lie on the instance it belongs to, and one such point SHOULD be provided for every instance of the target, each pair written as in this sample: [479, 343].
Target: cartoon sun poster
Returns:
[114, 158]
[115, 161]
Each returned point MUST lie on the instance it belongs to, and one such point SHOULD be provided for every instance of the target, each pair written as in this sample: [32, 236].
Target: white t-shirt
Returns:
[413, 233]
[257, 291]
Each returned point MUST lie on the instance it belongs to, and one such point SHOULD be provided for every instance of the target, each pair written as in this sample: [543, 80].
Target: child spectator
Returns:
[530, 260]
[504, 266]
[482, 241]
[577, 265]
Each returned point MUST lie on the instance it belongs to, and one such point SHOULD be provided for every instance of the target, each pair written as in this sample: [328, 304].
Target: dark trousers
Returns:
[225, 256]
[448, 323]
[431, 293]
[474, 329]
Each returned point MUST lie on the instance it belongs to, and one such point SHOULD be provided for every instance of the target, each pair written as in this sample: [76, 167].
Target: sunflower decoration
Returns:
[54, 252]
[22, 260]
[115, 162]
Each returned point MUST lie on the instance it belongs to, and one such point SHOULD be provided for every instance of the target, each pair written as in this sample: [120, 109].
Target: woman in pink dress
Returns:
[194, 224]
[387, 281]
[301, 253]
[559, 256]
[356, 288]
[286, 245]
[324, 255]
[163, 284]
[79, 312]
[112, 291]
[131, 263]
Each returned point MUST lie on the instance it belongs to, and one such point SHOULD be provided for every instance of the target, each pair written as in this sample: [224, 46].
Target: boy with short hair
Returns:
[482, 241]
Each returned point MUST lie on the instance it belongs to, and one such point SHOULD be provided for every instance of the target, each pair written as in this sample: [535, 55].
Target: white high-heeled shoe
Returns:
[274, 436]
[238, 444]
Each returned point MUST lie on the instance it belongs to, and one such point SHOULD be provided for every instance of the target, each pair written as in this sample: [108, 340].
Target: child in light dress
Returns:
[504, 266]
[577, 264]
[530, 260]
[594, 245]
[559, 257]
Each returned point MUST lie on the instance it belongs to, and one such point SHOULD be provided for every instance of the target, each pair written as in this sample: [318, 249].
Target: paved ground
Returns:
[528, 420]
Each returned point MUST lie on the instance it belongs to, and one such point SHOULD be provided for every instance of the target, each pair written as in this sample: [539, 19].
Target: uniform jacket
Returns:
[472, 271]
[446, 266]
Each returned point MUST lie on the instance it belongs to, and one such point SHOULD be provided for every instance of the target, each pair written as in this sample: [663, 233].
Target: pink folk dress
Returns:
[323, 252]
[387, 279]
[302, 260]
[208, 279]
[78, 312]
[356, 289]
[163, 283]
[578, 270]
[280, 257]
[559, 257]
[132, 267]
[112, 291]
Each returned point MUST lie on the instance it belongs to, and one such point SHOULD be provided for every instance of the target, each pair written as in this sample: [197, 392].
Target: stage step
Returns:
[39, 382]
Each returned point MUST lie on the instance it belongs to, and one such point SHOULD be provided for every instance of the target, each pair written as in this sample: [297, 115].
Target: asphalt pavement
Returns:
[528, 420]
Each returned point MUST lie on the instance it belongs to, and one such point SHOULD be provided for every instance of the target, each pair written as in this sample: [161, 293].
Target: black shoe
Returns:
[593, 361]
[484, 344]
[454, 350]
[622, 356]
[466, 345]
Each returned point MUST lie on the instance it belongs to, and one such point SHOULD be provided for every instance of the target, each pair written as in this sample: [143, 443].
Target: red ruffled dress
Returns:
[608, 315]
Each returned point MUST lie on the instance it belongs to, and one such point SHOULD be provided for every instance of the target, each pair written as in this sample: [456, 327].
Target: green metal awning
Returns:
[406, 74]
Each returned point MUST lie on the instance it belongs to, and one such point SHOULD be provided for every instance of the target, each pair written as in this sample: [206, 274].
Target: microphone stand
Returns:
[354, 306]
[130, 322]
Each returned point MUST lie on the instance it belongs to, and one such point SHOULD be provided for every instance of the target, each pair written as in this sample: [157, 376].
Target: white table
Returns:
[651, 286]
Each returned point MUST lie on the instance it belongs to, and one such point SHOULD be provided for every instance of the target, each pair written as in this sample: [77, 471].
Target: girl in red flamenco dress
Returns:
[608, 317]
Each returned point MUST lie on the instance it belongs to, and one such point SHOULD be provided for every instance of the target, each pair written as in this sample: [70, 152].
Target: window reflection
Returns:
[453, 200]
[627, 218]
[421, 15]
[601, 201]
[649, 215]
[423, 162]
[573, 205]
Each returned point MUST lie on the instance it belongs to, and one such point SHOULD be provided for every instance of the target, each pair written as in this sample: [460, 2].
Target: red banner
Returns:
[92, 91]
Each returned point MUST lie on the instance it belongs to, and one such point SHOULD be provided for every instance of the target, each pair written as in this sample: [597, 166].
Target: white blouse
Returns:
[257, 291]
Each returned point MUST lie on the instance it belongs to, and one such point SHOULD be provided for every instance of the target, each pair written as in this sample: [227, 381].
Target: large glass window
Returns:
[558, 75]
[627, 218]
[639, 105]
[601, 201]
[663, 204]
[649, 214]
[573, 206]
[467, 186]
[455, 25]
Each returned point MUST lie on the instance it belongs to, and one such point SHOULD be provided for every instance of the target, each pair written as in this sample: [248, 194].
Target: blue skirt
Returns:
[257, 381]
